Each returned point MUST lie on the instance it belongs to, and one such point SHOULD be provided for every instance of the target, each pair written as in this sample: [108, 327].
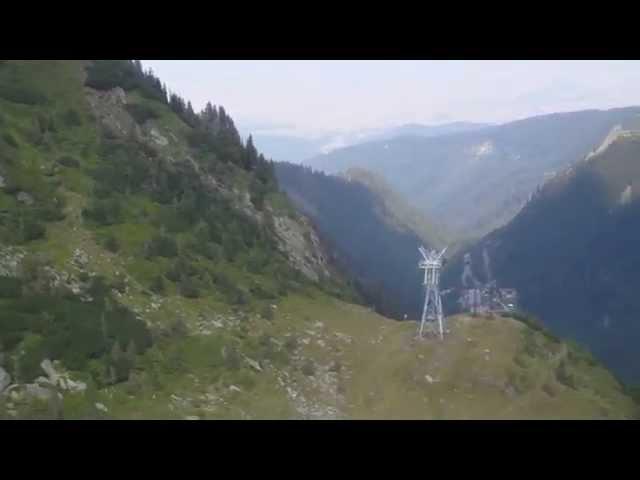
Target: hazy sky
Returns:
[315, 96]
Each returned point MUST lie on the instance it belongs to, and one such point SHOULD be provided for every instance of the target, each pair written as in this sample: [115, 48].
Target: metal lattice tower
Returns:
[432, 310]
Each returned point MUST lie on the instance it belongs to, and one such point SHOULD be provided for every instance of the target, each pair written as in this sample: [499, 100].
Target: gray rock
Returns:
[101, 407]
[25, 198]
[253, 364]
[39, 392]
[47, 367]
[118, 96]
[5, 379]
[76, 387]
[157, 138]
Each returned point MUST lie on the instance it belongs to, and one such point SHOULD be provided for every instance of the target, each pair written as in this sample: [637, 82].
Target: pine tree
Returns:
[251, 157]
[131, 352]
[116, 352]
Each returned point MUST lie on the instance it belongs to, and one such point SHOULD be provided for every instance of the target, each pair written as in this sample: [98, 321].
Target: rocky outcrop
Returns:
[5, 379]
[107, 106]
[302, 246]
[10, 259]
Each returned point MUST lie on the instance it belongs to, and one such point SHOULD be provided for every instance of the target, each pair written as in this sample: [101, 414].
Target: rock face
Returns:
[301, 244]
[5, 379]
[157, 137]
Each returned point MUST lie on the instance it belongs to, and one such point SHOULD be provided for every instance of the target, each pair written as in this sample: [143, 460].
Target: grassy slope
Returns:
[486, 368]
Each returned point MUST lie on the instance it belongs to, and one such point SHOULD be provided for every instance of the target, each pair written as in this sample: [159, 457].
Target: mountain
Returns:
[373, 234]
[572, 253]
[476, 181]
[150, 268]
[291, 148]
[419, 130]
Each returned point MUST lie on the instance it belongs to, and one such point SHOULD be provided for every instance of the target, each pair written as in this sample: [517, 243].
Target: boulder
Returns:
[25, 198]
[5, 379]
[76, 386]
[47, 367]
[157, 138]
[41, 393]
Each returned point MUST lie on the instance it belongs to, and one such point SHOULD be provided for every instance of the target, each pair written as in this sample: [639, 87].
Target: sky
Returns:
[312, 97]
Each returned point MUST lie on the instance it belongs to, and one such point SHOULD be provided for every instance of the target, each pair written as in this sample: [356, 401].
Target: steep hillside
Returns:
[397, 211]
[476, 181]
[572, 253]
[124, 215]
[373, 234]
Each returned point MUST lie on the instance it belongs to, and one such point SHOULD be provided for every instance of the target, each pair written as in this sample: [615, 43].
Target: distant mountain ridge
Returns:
[296, 148]
[475, 181]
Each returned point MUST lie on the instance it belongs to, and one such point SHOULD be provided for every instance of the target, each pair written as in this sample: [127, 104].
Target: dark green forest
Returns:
[381, 259]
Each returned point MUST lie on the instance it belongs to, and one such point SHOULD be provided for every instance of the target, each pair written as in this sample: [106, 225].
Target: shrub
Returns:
[33, 230]
[188, 288]
[72, 118]
[20, 93]
[267, 313]
[232, 358]
[69, 161]
[291, 343]
[158, 286]
[10, 287]
[10, 139]
[104, 212]
[141, 113]
[119, 284]
[112, 244]
[565, 376]
[162, 246]
[308, 368]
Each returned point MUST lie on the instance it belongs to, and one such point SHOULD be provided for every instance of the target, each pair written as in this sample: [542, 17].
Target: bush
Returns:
[104, 212]
[158, 286]
[267, 313]
[10, 139]
[181, 268]
[112, 244]
[21, 93]
[232, 358]
[162, 246]
[291, 343]
[565, 376]
[72, 118]
[141, 113]
[10, 287]
[188, 288]
[69, 161]
[33, 230]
